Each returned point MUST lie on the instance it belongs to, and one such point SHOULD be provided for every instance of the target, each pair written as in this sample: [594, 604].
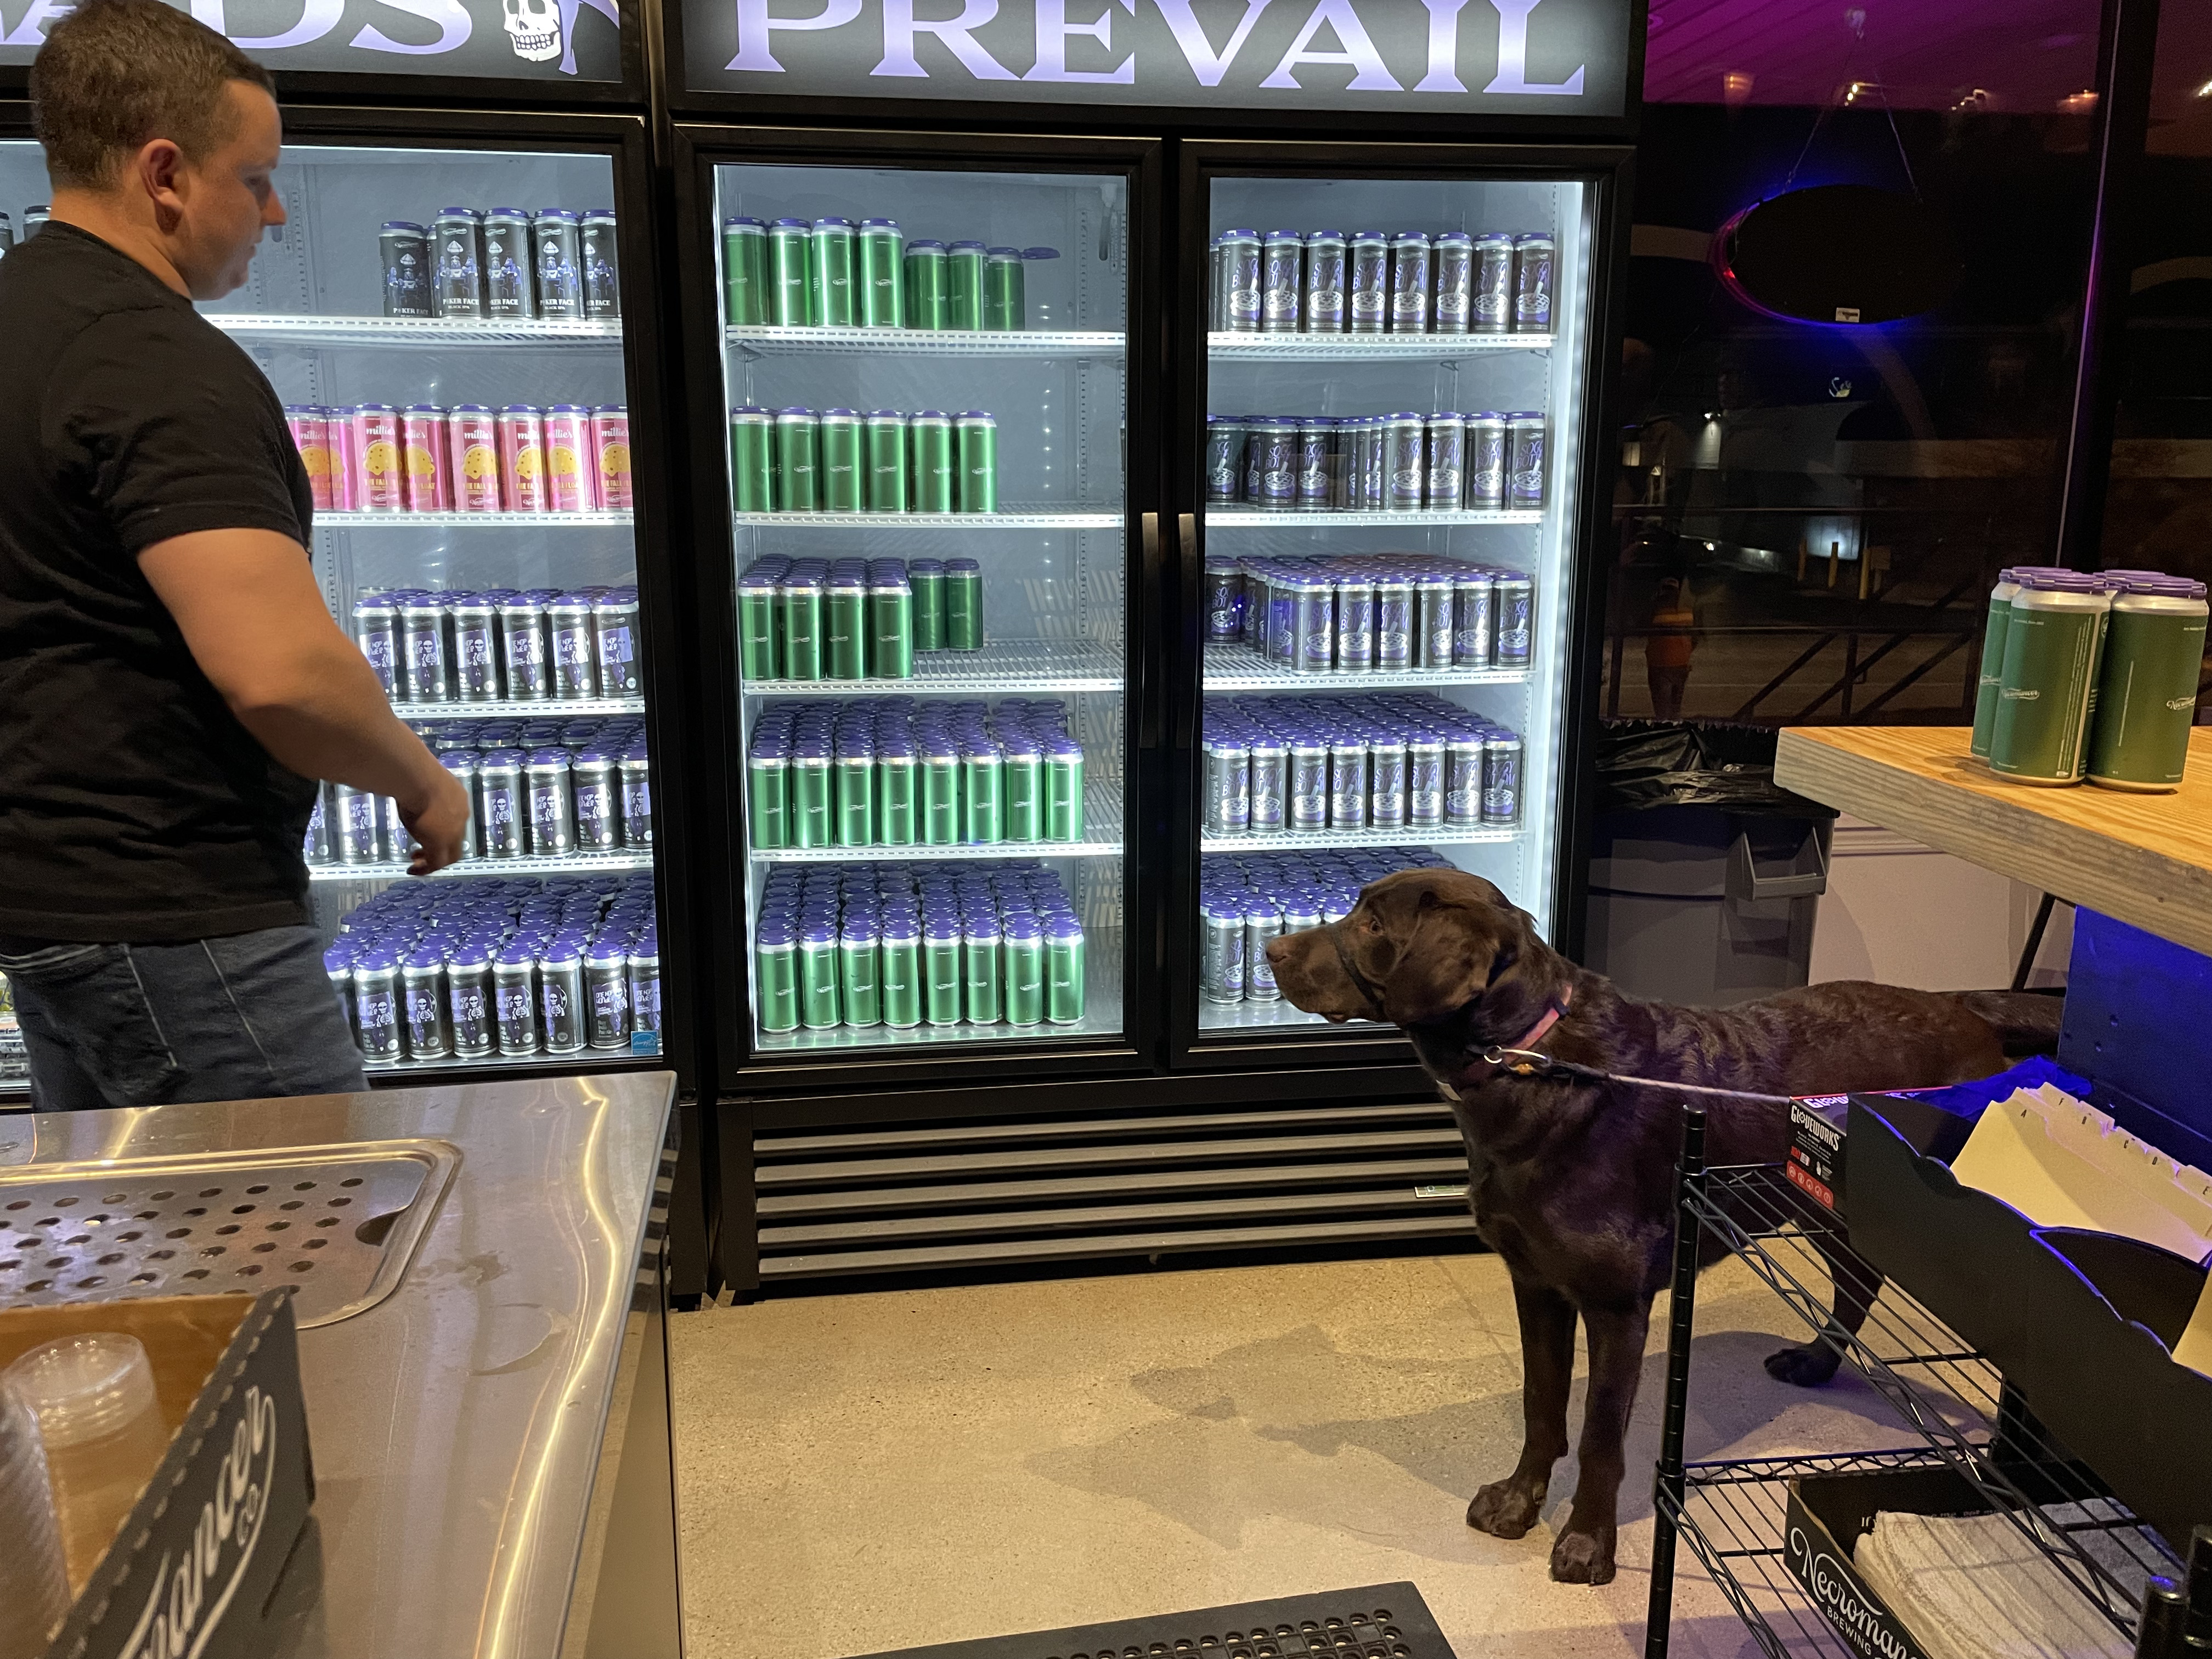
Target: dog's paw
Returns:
[1583, 1558]
[1807, 1367]
[1507, 1508]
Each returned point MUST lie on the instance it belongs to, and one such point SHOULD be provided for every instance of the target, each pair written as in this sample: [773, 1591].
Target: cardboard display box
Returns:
[192, 1568]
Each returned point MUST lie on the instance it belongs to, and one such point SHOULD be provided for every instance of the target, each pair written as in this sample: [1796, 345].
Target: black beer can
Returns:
[602, 268]
[1455, 283]
[1531, 283]
[457, 262]
[1369, 261]
[321, 846]
[1325, 282]
[405, 251]
[1493, 282]
[509, 290]
[557, 255]
[1224, 461]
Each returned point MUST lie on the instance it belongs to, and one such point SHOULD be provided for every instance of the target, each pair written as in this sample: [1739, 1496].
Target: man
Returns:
[170, 682]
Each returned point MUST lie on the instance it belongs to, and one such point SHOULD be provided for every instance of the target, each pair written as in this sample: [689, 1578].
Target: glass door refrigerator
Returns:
[1396, 445]
[457, 316]
[921, 378]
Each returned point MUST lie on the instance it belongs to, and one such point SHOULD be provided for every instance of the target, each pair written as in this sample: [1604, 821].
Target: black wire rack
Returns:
[1970, 1421]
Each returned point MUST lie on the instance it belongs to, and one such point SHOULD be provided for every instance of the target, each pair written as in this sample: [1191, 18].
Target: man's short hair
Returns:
[114, 75]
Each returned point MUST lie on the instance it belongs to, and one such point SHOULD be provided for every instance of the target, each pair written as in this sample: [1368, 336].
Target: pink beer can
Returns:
[521, 459]
[311, 437]
[568, 453]
[611, 456]
[338, 448]
[472, 457]
[379, 485]
[425, 469]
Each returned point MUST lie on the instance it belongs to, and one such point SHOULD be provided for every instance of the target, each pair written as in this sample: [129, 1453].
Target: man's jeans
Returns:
[242, 1017]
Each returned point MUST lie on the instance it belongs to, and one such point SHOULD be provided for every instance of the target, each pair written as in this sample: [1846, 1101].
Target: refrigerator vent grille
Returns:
[950, 1194]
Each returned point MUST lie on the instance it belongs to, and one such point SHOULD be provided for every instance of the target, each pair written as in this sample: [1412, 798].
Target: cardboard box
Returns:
[1826, 1517]
[192, 1568]
[1819, 1137]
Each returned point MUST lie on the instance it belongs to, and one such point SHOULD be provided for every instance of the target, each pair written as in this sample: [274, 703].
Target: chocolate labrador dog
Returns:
[1571, 1181]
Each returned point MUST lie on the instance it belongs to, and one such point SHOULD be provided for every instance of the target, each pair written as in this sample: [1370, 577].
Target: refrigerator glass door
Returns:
[445, 329]
[1393, 386]
[927, 487]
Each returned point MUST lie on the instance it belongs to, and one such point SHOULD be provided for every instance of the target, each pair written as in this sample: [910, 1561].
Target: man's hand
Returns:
[439, 821]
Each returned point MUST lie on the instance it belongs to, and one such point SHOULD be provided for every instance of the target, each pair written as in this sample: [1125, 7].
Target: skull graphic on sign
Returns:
[533, 28]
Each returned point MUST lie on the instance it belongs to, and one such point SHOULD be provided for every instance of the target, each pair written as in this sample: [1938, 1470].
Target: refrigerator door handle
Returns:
[1148, 690]
[1186, 536]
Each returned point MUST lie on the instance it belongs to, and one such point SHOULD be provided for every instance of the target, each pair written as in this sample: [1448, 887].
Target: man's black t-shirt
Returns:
[134, 807]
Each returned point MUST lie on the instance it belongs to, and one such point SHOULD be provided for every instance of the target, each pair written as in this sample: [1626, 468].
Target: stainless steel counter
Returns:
[457, 1424]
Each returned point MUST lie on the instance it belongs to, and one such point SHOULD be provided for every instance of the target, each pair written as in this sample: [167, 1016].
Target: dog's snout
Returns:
[1277, 948]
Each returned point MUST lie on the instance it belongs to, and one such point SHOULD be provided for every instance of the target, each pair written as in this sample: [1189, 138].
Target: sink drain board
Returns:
[337, 1224]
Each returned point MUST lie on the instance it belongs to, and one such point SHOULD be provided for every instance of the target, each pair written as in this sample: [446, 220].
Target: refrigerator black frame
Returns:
[697, 148]
[1609, 170]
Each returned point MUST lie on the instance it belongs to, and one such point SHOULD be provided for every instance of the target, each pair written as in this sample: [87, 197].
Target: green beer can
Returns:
[941, 971]
[1992, 671]
[980, 948]
[758, 655]
[1024, 772]
[1024, 971]
[752, 459]
[898, 780]
[767, 789]
[801, 601]
[845, 629]
[901, 974]
[926, 578]
[1063, 969]
[963, 606]
[883, 275]
[856, 798]
[817, 979]
[1003, 305]
[859, 965]
[2054, 637]
[964, 263]
[983, 787]
[791, 274]
[843, 475]
[744, 274]
[812, 789]
[936, 470]
[890, 622]
[777, 959]
[832, 273]
[885, 437]
[928, 292]
[941, 794]
[1063, 790]
[979, 463]
[798, 461]
[2147, 689]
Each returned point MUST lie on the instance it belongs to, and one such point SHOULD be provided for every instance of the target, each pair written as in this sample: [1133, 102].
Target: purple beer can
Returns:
[1355, 624]
[1447, 448]
[1272, 469]
[1316, 449]
[1314, 636]
[1282, 271]
[1531, 283]
[1455, 283]
[1370, 283]
[1409, 282]
[1484, 462]
[1492, 310]
[1394, 624]
[1524, 462]
[1325, 282]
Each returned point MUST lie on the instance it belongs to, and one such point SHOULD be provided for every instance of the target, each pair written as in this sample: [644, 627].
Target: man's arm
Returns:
[250, 611]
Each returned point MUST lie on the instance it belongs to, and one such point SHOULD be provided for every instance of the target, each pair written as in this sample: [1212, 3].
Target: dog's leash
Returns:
[1527, 1062]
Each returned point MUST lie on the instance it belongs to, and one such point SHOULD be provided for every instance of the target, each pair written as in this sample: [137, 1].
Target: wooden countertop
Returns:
[2146, 859]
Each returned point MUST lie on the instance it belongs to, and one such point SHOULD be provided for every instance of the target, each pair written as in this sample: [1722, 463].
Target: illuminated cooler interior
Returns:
[1052, 559]
[324, 267]
[1302, 375]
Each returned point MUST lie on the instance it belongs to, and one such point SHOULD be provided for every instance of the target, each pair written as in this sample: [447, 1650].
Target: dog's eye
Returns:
[1374, 923]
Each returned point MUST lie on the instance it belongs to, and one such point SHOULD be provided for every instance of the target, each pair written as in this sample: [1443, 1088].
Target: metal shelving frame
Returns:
[1970, 1421]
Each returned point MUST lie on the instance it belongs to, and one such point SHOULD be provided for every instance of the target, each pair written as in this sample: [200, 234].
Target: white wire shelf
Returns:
[1001, 666]
[1261, 1016]
[1101, 839]
[1338, 348]
[1245, 517]
[639, 858]
[766, 340]
[1016, 518]
[419, 331]
[582, 1061]
[1240, 668]
[418, 713]
[1393, 835]
[334, 519]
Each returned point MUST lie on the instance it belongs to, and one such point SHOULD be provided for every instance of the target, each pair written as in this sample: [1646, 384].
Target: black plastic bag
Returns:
[1643, 763]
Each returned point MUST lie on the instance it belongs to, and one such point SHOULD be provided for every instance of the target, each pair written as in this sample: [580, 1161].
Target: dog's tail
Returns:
[2026, 1022]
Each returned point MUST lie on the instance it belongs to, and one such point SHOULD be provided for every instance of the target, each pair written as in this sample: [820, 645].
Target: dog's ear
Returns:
[1455, 948]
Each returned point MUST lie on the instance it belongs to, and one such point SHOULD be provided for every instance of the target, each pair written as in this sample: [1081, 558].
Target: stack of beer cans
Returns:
[1245, 899]
[1444, 461]
[905, 945]
[501, 644]
[374, 458]
[1371, 281]
[518, 965]
[831, 273]
[1318, 766]
[896, 772]
[1378, 613]
[852, 619]
[503, 266]
[838, 460]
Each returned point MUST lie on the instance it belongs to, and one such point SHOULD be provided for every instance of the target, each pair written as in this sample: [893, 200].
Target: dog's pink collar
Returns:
[1554, 1011]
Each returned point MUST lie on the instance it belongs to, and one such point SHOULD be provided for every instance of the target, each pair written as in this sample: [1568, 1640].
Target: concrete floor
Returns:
[869, 1472]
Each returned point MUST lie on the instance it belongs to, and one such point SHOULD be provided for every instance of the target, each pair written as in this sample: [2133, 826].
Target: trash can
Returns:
[1705, 876]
